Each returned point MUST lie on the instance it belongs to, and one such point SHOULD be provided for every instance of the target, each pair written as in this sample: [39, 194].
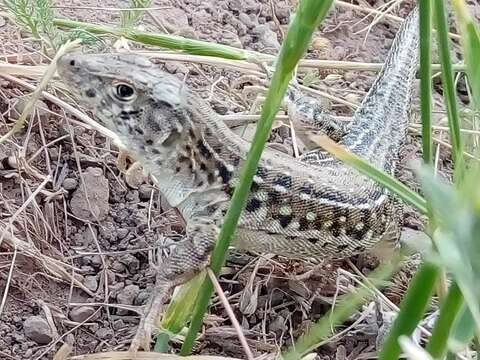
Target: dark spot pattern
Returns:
[283, 180]
[285, 220]
[203, 150]
[304, 223]
[224, 173]
[307, 189]
[253, 205]
[273, 198]
[341, 247]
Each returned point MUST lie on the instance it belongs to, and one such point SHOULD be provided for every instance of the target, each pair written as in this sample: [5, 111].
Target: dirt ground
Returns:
[69, 257]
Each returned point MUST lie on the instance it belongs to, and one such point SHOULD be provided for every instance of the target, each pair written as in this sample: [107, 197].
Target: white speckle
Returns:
[261, 195]
[294, 225]
[258, 179]
[304, 196]
[285, 210]
[280, 189]
[359, 226]
[327, 224]
[230, 167]
[342, 219]
[261, 213]
[311, 216]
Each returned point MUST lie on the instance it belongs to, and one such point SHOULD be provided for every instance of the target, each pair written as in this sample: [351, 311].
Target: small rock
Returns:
[88, 236]
[249, 20]
[82, 313]
[132, 196]
[91, 282]
[96, 207]
[176, 68]
[142, 297]
[127, 296]
[96, 261]
[28, 354]
[267, 38]
[53, 153]
[278, 324]
[70, 184]
[320, 43]
[104, 333]
[144, 192]
[282, 11]
[174, 19]
[37, 329]
[118, 267]
[118, 324]
[135, 175]
[122, 233]
[232, 39]
[131, 262]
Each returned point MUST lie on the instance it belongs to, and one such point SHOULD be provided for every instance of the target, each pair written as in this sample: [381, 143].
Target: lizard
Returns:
[314, 207]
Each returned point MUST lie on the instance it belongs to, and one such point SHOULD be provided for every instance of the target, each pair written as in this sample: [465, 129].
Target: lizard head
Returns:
[131, 96]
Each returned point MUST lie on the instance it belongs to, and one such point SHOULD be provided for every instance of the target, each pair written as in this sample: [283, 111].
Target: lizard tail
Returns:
[380, 123]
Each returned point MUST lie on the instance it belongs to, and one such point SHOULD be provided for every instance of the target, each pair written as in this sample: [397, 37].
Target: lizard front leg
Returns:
[187, 259]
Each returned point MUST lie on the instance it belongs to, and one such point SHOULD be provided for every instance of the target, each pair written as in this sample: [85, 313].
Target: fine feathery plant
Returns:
[130, 17]
[37, 17]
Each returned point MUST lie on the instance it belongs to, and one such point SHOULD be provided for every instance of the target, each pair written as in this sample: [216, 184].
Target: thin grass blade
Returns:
[470, 38]
[307, 18]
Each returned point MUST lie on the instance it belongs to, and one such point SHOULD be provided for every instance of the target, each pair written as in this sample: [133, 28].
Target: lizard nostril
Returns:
[72, 62]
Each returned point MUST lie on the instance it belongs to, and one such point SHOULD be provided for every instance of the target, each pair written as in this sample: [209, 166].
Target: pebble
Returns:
[104, 333]
[91, 282]
[82, 313]
[37, 329]
[144, 192]
[267, 38]
[122, 233]
[96, 207]
[70, 184]
[127, 296]
[131, 262]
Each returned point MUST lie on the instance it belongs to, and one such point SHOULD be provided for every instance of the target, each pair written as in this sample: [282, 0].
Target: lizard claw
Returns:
[143, 337]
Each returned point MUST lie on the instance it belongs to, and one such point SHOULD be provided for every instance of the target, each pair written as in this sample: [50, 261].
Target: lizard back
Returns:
[294, 208]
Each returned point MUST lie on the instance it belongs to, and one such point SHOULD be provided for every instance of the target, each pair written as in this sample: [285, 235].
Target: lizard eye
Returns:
[124, 92]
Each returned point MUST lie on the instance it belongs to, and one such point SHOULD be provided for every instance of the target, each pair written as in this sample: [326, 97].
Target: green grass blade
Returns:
[346, 306]
[305, 21]
[471, 47]
[412, 309]
[449, 87]
[191, 46]
[463, 331]
[425, 78]
[437, 345]
[382, 178]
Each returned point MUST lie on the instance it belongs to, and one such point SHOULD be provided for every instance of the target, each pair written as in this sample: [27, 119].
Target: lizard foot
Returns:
[153, 310]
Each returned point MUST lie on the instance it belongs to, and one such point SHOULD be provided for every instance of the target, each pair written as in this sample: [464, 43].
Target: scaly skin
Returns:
[314, 207]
